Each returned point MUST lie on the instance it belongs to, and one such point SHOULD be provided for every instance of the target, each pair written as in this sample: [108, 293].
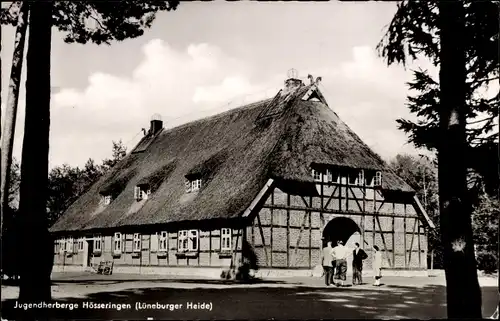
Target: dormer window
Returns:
[332, 176]
[106, 199]
[141, 192]
[377, 181]
[316, 175]
[193, 185]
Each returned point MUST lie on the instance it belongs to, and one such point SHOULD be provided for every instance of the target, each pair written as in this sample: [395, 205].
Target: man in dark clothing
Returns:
[327, 258]
[358, 255]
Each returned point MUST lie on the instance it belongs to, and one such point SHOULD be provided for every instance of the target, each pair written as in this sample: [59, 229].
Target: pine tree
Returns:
[100, 22]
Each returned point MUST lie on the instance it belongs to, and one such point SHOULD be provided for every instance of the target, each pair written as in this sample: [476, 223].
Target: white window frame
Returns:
[361, 178]
[195, 185]
[62, 245]
[331, 174]
[188, 240]
[81, 244]
[162, 241]
[377, 179]
[182, 241]
[97, 243]
[187, 184]
[315, 173]
[193, 241]
[117, 240]
[137, 242]
[56, 246]
[225, 239]
[106, 199]
[69, 245]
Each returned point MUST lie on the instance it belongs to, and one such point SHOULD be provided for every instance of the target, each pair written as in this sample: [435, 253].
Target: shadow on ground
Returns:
[265, 302]
[169, 280]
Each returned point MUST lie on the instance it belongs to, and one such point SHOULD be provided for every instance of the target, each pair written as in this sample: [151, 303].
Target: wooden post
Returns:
[299, 238]
[404, 240]
[271, 229]
[363, 217]
[411, 243]
[432, 259]
[210, 247]
[419, 249]
[262, 237]
[310, 234]
[253, 232]
[393, 236]
[374, 213]
[288, 231]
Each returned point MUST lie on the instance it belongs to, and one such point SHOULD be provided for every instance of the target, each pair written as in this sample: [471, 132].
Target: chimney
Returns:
[156, 124]
[293, 82]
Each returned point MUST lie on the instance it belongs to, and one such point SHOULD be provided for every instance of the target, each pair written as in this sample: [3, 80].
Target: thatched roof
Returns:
[235, 153]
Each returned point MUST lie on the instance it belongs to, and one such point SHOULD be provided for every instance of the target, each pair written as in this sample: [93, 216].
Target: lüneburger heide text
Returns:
[116, 306]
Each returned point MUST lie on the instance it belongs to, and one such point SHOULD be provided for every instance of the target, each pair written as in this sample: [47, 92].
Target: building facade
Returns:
[273, 181]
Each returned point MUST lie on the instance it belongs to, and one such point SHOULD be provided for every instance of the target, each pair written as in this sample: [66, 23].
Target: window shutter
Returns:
[188, 186]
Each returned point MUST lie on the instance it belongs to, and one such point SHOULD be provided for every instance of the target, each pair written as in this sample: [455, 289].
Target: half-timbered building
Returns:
[278, 177]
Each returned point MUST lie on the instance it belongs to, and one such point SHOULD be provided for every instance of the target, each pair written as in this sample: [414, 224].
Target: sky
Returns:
[205, 58]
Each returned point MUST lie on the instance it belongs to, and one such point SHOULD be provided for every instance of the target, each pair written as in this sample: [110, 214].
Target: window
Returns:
[97, 243]
[361, 177]
[106, 199]
[225, 239]
[141, 193]
[69, 245]
[316, 175]
[188, 240]
[56, 246]
[193, 240]
[163, 241]
[117, 243]
[137, 242]
[183, 241]
[62, 245]
[196, 185]
[332, 176]
[377, 181]
[81, 244]
[193, 185]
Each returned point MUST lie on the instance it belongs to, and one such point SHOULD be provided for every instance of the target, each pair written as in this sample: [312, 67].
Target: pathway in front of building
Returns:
[290, 298]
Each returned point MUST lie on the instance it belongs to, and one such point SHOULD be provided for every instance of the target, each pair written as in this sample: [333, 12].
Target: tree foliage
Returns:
[485, 227]
[100, 22]
[421, 174]
[414, 34]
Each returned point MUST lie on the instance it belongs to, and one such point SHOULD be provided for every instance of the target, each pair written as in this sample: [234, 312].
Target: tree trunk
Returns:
[36, 248]
[11, 109]
[462, 286]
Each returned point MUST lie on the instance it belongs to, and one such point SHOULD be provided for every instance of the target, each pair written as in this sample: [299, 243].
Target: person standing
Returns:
[377, 265]
[327, 258]
[341, 253]
[358, 255]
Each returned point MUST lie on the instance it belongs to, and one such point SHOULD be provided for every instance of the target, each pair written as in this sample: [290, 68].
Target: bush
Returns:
[487, 261]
